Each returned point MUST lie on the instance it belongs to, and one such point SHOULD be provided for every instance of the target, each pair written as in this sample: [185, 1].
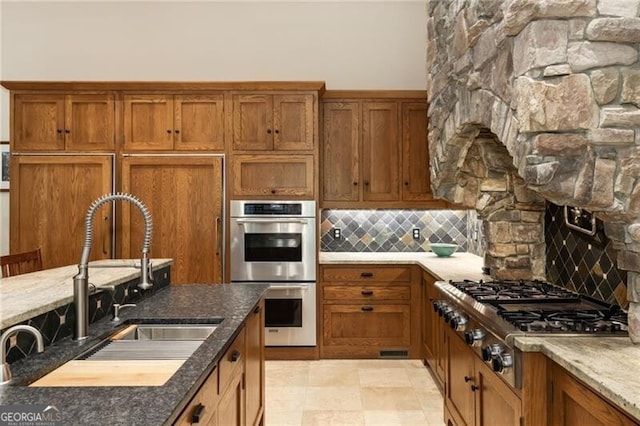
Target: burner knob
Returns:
[444, 310]
[502, 362]
[489, 352]
[449, 315]
[459, 322]
[474, 337]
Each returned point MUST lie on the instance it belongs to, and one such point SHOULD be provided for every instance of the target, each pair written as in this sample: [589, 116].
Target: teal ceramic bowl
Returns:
[442, 249]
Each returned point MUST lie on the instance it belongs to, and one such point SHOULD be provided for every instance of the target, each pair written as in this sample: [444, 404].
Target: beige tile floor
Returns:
[351, 393]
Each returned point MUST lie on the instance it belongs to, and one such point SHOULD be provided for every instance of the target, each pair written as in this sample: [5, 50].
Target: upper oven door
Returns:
[273, 249]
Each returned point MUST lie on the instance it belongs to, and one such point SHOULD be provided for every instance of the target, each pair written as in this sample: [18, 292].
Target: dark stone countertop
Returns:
[139, 405]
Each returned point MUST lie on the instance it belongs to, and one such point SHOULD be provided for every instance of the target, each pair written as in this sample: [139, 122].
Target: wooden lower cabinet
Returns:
[475, 395]
[575, 404]
[233, 394]
[184, 197]
[203, 407]
[433, 335]
[50, 196]
[370, 311]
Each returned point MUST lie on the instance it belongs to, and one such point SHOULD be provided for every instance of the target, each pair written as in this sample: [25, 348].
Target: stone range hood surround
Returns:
[533, 100]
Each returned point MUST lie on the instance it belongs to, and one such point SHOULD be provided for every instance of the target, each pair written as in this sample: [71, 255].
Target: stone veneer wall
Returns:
[552, 87]
[391, 230]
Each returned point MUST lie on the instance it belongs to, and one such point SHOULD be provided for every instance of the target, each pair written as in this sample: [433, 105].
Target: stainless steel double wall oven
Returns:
[274, 242]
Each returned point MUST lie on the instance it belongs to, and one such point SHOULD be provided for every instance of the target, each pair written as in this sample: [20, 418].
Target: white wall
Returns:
[347, 44]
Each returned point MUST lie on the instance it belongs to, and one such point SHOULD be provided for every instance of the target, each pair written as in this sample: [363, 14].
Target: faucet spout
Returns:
[81, 279]
[5, 371]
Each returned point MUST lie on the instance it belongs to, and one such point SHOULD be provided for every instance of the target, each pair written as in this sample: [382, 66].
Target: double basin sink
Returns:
[136, 355]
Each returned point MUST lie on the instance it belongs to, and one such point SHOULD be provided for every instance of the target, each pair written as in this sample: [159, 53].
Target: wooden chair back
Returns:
[21, 263]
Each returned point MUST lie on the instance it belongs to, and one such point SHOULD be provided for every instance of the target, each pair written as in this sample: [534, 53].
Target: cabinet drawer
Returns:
[202, 407]
[366, 293]
[367, 274]
[232, 361]
[367, 325]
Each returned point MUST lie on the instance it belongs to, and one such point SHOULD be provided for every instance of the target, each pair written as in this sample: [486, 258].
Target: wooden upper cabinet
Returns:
[380, 151]
[340, 151]
[168, 122]
[50, 195]
[415, 153]
[75, 122]
[264, 122]
[266, 176]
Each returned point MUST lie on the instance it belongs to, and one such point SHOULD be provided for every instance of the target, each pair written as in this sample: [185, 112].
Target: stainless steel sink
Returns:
[169, 332]
[151, 342]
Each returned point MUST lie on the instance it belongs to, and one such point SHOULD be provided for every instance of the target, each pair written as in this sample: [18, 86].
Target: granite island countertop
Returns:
[458, 266]
[148, 405]
[26, 296]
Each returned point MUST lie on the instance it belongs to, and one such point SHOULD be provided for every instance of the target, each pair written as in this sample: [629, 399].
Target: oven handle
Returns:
[288, 287]
[272, 221]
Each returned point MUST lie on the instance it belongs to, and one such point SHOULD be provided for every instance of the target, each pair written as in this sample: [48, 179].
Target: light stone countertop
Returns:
[458, 266]
[28, 295]
[609, 365]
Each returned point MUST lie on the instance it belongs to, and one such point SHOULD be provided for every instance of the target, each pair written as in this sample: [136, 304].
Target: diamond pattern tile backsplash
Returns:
[392, 230]
[583, 263]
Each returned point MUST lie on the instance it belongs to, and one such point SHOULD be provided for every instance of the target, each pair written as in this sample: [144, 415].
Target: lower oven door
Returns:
[290, 314]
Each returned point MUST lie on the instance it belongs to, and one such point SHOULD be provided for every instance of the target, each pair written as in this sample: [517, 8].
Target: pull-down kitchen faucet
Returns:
[81, 279]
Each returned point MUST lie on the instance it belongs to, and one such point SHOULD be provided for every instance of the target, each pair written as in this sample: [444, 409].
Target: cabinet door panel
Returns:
[341, 139]
[148, 122]
[415, 153]
[496, 404]
[184, 196]
[380, 151]
[49, 200]
[199, 122]
[293, 122]
[252, 122]
[38, 123]
[254, 366]
[368, 325]
[574, 404]
[460, 378]
[272, 175]
[231, 405]
[90, 122]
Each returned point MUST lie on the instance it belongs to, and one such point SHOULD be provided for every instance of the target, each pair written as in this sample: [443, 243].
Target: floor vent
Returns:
[399, 353]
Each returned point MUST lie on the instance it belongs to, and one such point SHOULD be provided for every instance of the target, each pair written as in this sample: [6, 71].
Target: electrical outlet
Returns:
[337, 233]
[416, 233]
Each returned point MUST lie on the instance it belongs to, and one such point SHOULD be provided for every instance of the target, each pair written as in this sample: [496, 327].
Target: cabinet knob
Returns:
[277, 131]
[268, 131]
[59, 130]
[67, 131]
[177, 131]
[467, 378]
[197, 413]
[235, 355]
[367, 292]
[367, 308]
[474, 388]
[366, 183]
[168, 131]
[273, 191]
[355, 183]
[406, 184]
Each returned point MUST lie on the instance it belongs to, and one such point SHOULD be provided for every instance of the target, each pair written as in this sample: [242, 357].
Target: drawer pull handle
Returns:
[366, 274]
[235, 355]
[197, 413]
[474, 388]
[367, 292]
[256, 309]
[367, 308]
[467, 378]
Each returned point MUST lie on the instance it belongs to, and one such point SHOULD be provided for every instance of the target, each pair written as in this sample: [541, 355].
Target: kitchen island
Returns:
[140, 405]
